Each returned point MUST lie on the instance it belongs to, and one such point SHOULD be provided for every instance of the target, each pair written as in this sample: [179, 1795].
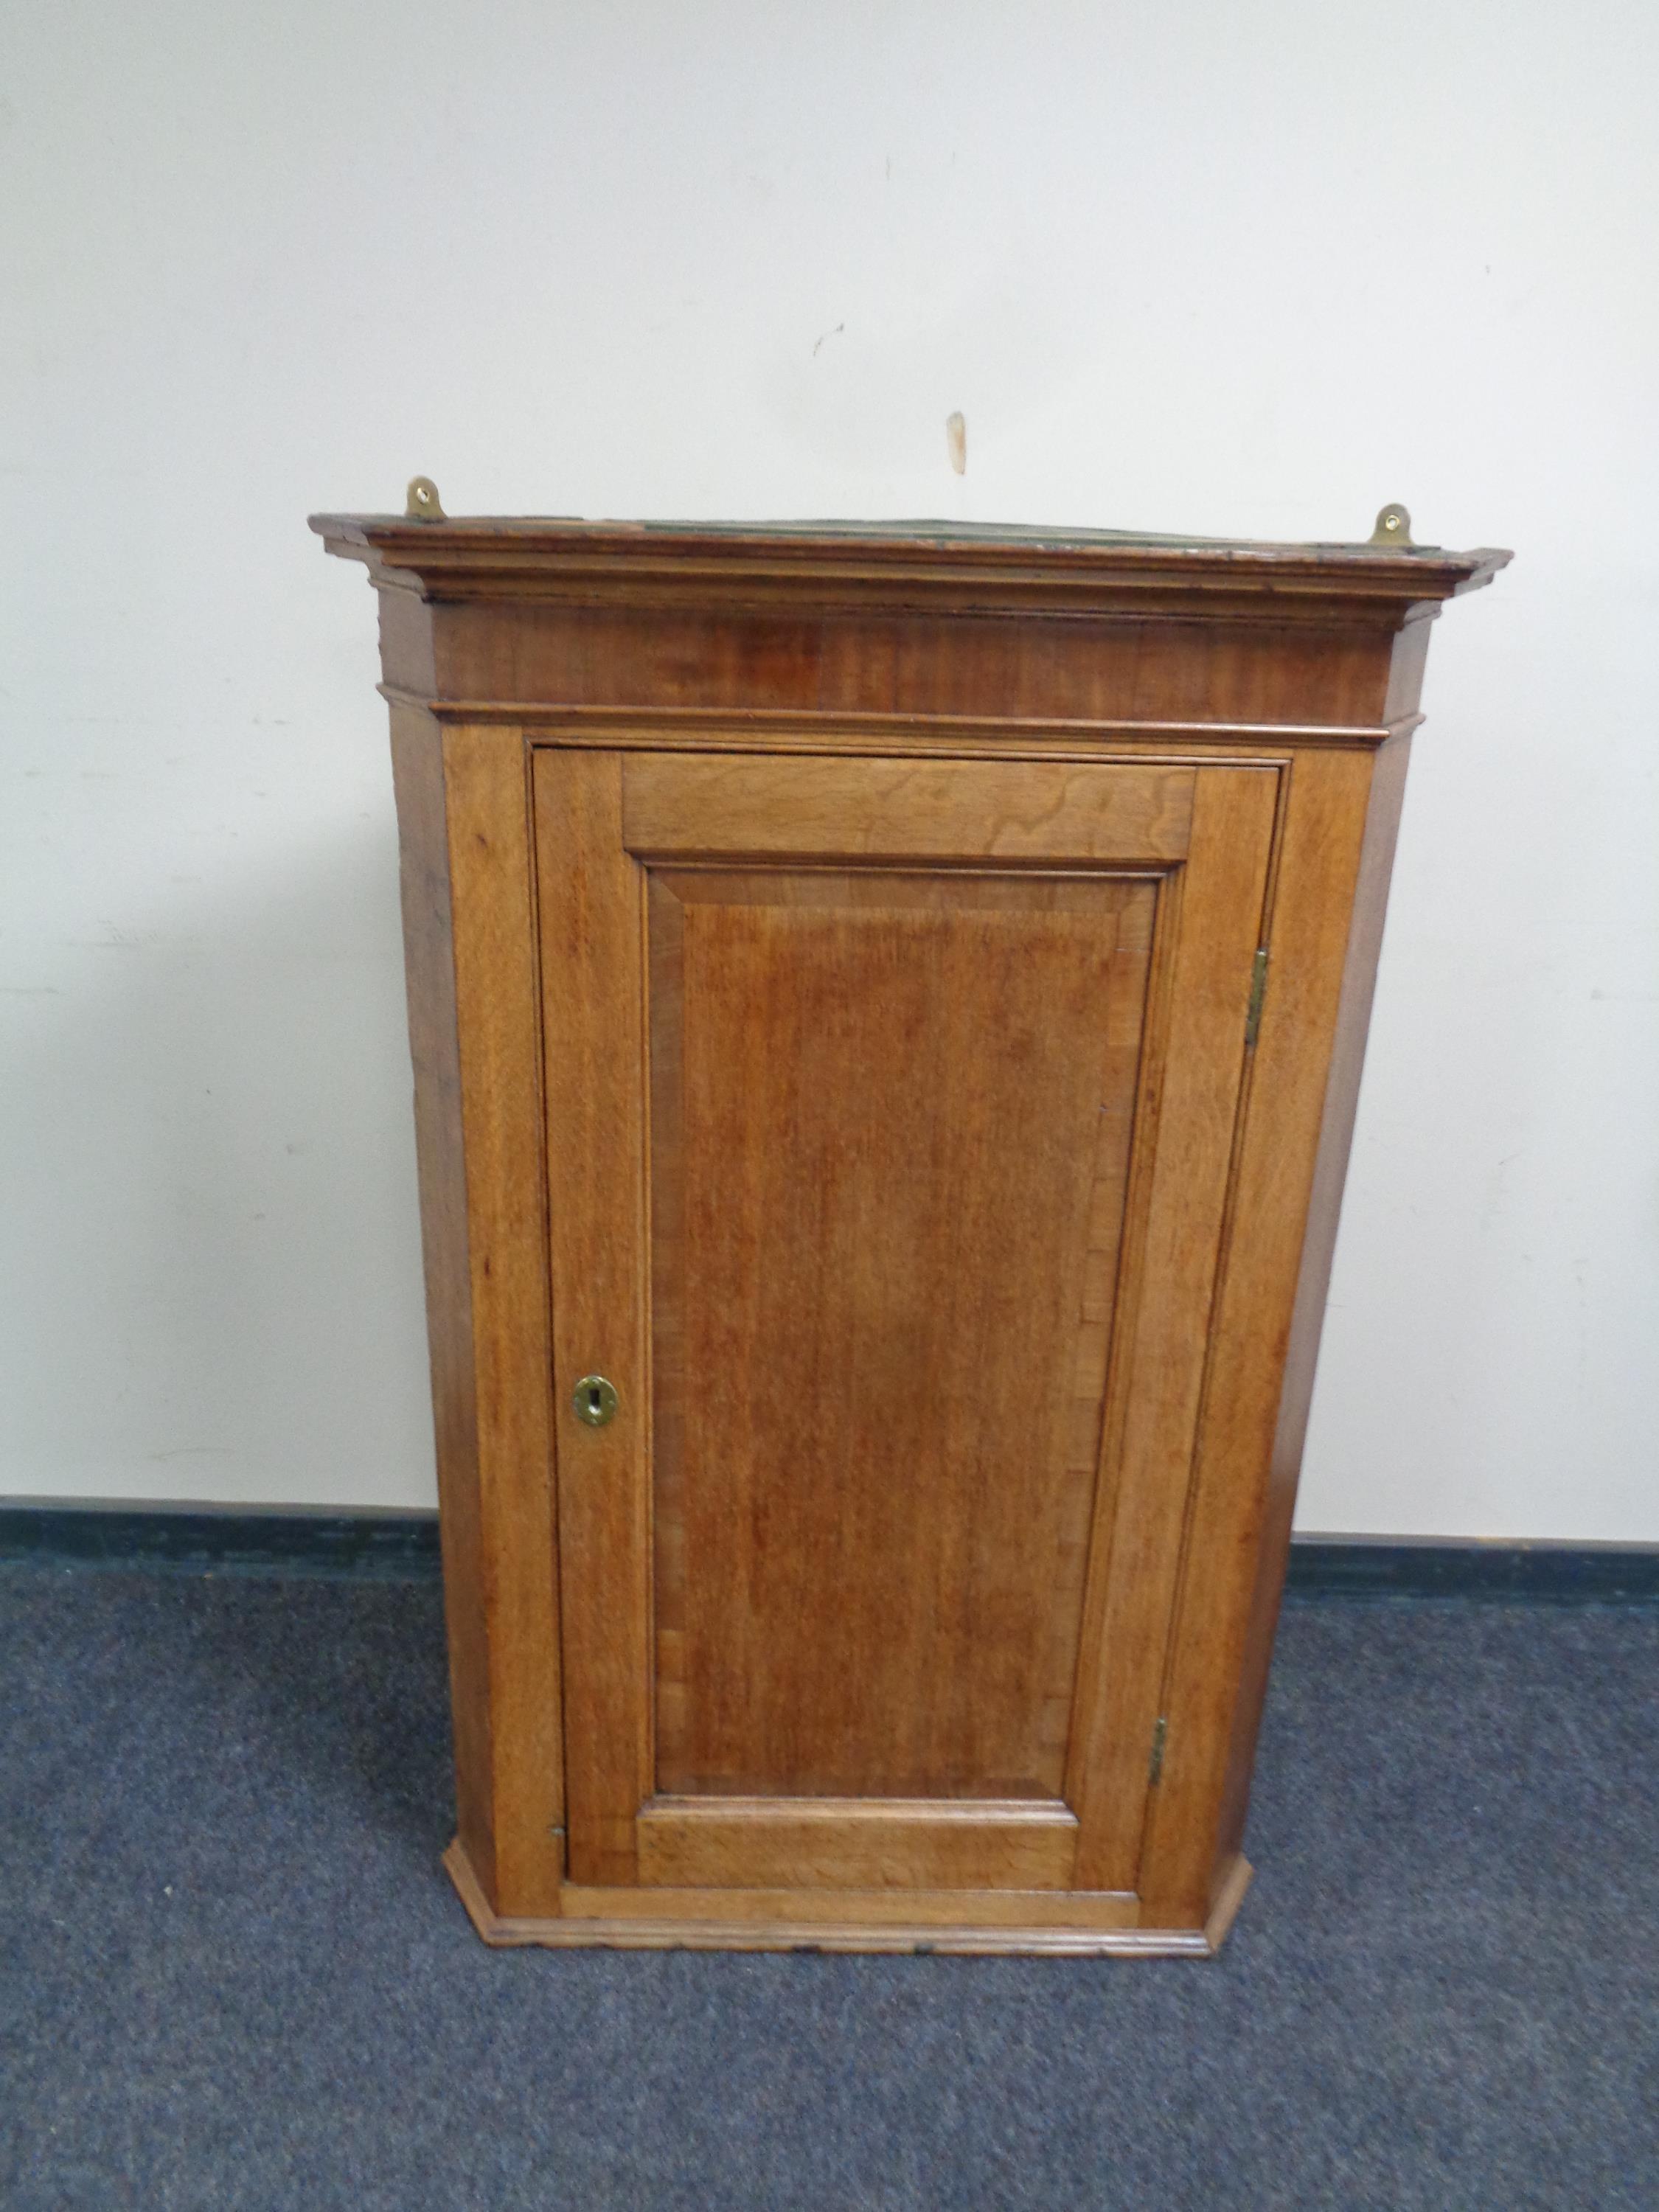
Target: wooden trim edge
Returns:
[710, 1934]
[895, 566]
[1229, 1896]
[551, 721]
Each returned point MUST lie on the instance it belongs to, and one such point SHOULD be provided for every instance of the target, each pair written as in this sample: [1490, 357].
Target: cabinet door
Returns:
[891, 1110]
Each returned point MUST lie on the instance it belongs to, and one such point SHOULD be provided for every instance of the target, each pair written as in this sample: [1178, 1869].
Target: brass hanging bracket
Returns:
[1394, 528]
[424, 505]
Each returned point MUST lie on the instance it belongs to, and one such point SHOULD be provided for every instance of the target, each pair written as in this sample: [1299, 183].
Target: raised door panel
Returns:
[890, 1135]
[859, 1097]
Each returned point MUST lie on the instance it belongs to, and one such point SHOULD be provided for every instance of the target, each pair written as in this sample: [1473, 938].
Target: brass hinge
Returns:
[1258, 992]
[1155, 1768]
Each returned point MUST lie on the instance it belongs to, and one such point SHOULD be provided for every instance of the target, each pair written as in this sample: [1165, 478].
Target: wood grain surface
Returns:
[463, 826]
[1190, 1126]
[903, 1548]
[593, 971]
[487, 803]
[984, 1924]
[889, 1136]
[1336, 850]
[700, 1843]
[904, 809]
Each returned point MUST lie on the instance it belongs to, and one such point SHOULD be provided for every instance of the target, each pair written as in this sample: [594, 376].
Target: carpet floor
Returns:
[234, 1977]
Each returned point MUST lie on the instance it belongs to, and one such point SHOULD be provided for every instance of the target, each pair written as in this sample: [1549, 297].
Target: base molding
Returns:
[749, 1920]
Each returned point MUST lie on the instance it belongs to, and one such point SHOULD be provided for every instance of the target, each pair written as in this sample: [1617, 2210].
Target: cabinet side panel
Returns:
[1296, 1126]
[408, 647]
[1407, 663]
[498, 1027]
[418, 782]
[1330, 1172]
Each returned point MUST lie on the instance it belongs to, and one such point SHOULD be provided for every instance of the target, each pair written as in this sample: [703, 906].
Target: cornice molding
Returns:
[902, 570]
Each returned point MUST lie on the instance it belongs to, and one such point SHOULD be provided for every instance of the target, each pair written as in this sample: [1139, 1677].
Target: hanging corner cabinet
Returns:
[887, 1006]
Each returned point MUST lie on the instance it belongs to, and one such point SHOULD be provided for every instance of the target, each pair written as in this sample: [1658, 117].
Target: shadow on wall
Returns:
[214, 1285]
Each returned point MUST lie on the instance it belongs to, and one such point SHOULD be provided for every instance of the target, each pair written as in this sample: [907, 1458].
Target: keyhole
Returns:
[594, 1401]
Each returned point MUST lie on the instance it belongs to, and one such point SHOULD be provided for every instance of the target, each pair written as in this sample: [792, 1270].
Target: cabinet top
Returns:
[974, 567]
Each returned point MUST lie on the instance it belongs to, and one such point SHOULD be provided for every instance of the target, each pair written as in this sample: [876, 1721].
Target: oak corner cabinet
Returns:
[887, 1006]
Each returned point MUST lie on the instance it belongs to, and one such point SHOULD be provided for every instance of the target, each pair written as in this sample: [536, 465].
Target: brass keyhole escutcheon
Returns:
[595, 1400]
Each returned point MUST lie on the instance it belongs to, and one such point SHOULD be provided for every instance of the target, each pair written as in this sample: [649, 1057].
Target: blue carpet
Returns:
[233, 1976]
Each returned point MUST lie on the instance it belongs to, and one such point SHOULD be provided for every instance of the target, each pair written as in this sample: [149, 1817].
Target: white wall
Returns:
[1231, 268]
